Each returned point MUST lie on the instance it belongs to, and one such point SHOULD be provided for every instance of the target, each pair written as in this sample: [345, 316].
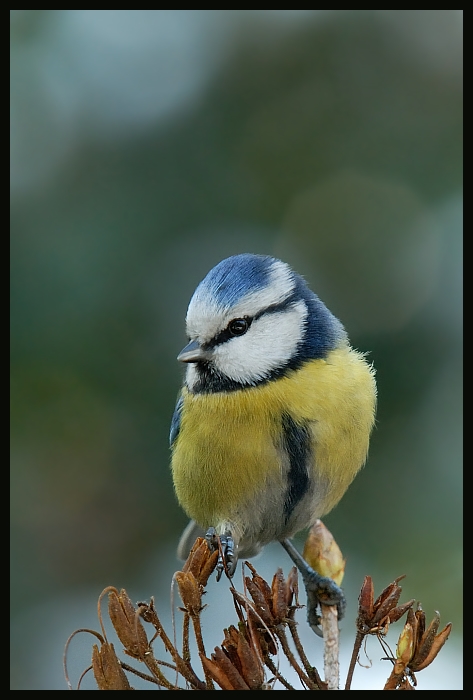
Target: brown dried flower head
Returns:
[201, 561]
[127, 624]
[375, 616]
[417, 647]
[272, 604]
[107, 669]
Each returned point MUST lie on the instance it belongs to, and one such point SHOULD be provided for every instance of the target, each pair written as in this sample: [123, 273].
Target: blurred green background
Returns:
[146, 145]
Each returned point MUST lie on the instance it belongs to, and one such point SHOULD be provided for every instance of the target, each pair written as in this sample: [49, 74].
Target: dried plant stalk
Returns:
[248, 657]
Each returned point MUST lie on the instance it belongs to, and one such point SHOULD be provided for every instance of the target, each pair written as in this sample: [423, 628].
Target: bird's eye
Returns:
[238, 326]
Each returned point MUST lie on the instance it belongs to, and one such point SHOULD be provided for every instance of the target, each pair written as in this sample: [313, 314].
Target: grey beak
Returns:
[193, 352]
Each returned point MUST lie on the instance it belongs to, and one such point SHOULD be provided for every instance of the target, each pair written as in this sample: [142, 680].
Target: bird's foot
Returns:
[321, 590]
[227, 560]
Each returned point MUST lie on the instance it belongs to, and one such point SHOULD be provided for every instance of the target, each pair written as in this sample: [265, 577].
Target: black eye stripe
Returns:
[276, 308]
[226, 334]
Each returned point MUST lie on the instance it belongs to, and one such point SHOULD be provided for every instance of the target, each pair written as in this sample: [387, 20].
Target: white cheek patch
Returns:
[270, 342]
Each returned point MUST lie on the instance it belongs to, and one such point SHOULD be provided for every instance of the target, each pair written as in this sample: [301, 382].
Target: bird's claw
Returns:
[321, 590]
[227, 561]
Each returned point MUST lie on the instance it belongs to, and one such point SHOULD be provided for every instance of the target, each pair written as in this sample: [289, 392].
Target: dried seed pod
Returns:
[201, 561]
[262, 606]
[127, 624]
[223, 671]
[190, 592]
[279, 596]
[107, 669]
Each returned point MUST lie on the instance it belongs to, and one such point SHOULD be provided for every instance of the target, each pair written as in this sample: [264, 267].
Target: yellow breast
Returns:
[228, 447]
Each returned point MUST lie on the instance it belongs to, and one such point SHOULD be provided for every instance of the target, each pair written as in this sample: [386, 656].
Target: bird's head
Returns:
[253, 319]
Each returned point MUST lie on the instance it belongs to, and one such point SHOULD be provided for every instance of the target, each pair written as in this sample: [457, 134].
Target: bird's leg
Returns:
[227, 560]
[319, 589]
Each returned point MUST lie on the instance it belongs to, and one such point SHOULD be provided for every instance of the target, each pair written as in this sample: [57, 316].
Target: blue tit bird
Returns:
[274, 418]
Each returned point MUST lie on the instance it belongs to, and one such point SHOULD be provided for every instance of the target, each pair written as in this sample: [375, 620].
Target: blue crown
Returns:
[235, 277]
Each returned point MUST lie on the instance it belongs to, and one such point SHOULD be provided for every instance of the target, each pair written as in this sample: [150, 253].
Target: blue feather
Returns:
[235, 277]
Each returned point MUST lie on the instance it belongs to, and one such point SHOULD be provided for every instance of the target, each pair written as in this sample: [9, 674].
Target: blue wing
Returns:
[176, 421]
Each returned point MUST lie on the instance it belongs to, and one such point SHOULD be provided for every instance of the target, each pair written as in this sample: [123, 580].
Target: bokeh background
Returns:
[146, 145]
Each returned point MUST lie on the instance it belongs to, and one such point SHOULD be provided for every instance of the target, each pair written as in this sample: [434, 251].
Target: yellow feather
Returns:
[227, 453]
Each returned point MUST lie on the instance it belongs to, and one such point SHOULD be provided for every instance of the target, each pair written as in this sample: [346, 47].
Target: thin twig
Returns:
[82, 675]
[153, 665]
[142, 675]
[186, 652]
[201, 648]
[277, 674]
[354, 658]
[281, 635]
[64, 658]
[310, 670]
[186, 671]
[329, 622]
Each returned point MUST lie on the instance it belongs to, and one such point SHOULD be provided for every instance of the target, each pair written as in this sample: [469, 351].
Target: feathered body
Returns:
[275, 415]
